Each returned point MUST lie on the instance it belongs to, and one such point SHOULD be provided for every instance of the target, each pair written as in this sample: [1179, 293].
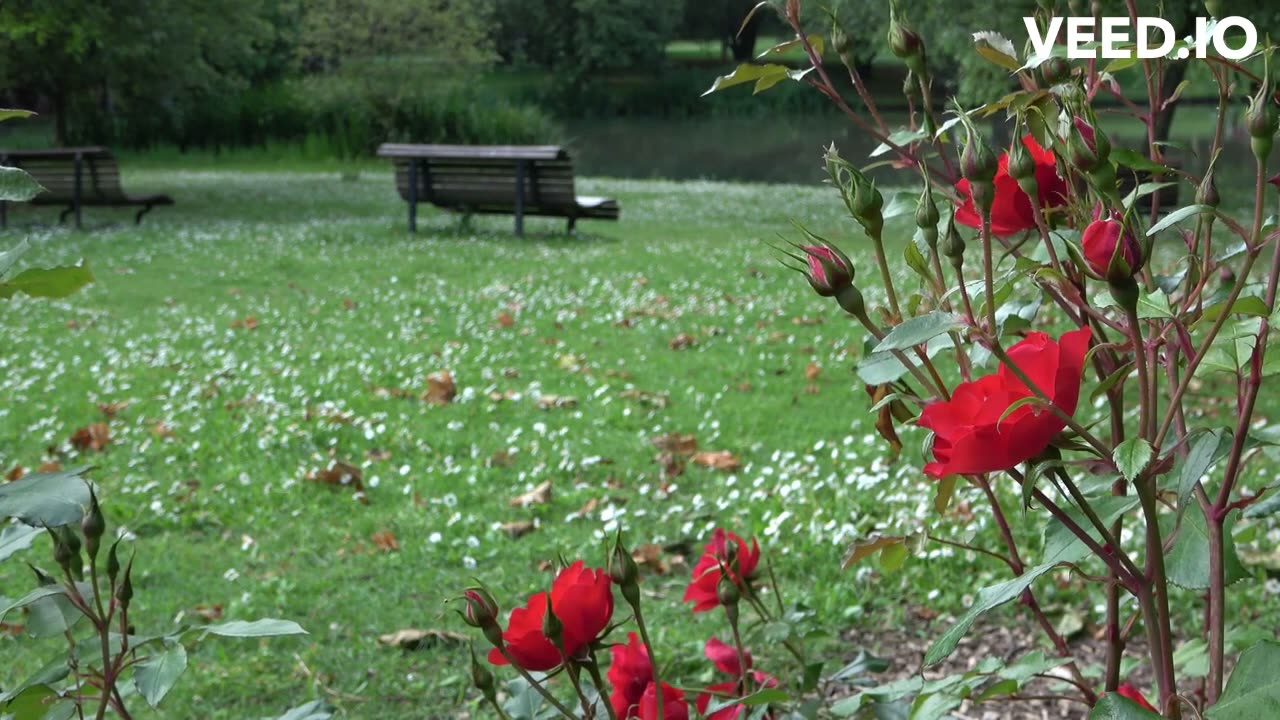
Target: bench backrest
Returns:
[55, 170]
[485, 176]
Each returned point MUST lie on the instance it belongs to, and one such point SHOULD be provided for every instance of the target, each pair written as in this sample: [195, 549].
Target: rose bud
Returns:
[93, 525]
[927, 216]
[1111, 250]
[867, 206]
[830, 271]
[978, 164]
[1262, 118]
[1207, 192]
[905, 43]
[1214, 8]
[953, 244]
[479, 609]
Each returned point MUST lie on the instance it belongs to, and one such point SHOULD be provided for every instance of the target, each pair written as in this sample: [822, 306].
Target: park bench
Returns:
[493, 179]
[76, 178]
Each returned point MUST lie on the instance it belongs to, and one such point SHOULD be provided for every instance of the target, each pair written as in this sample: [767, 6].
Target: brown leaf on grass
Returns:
[92, 437]
[349, 304]
[718, 460]
[342, 474]
[812, 371]
[644, 397]
[161, 430]
[682, 341]
[518, 528]
[547, 402]
[53, 466]
[540, 495]
[679, 443]
[812, 389]
[109, 410]
[249, 323]
[745, 387]
[384, 540]
[806, 321]
[671, 463]
[505, 319]
[377, 455]
[496, 396]
[885, 416]
[12, 629]
[500, 458]
[440, 388]
[649, 556]
[387, 392]
[415, 639]
[587, 508]
[16, 473]
[208, 613]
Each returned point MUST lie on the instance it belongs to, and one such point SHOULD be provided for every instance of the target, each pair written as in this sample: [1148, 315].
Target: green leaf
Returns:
[946, 489]
[864, 548]
[1253, 691]
[17, 186]
[1177, 216]
[760, 697]
[56, 282]
[1137, 161]
[919, 330]
[52, 616]
[934, 706]
[764, 76]
[1143, 190]
[863, 663]
[10, 256]
[1205, 447]
[314, 710]
[267, 627]
[14, 538]
[43, 591]
[1187, 562]
[156, 676]
[901, 137]
[1154, 305]
[916, 259]
[1251, 305]
[1111, 380]
[1132, 457]
[48, 499]
[7, 114]
[31, 704]
[795, 43]
[1114, 706]
[1267, 506]
[52, 672]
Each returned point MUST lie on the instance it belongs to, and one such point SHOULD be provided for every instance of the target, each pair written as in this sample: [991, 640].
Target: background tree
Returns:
[586, 36]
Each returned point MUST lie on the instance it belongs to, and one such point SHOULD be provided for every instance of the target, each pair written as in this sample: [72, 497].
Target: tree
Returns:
[586, 36]
[95, 55]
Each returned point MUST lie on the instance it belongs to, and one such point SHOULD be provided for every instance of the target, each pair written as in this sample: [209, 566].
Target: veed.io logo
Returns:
[1114, 40]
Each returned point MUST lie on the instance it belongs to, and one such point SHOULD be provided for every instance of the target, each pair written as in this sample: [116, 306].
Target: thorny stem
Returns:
[1154, 595]
[737, 645]
[987, 273]
[1145, 388]
[537, 686]
[593, 668]
[648, 646]
[1105, 532]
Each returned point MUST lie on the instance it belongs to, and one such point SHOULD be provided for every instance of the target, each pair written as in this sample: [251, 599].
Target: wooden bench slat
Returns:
[55, 170]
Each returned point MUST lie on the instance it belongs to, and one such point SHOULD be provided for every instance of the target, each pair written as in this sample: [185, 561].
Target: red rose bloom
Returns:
[1131, 692]
[706, 574]
[673, 704]
[1011, 209]
[583, 602]
[970, 437]
[630, 674]
[1099, 243]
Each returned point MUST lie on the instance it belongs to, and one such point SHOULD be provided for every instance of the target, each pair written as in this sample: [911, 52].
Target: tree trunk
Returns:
[743, 44]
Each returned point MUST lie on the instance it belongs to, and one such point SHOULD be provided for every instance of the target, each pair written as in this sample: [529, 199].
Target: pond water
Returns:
[790, 149]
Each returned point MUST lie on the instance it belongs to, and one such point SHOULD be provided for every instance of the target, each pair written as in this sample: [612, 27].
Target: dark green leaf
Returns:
[1154, 305]
[155, 676]
[1268, 505]
[1177, 216]
[51, 499]
[919, 330]
[53, 671]
[8, 114]
[16, 185]
[1250, 305]
[10, 256]
[258, 628]
[946, 489]
[43, 591]
[16, 537]
[1253, 692]
[55, 282]
[1137, 161]
[1111, 380]
[1204, 448]
[314, 710]
[30, 704]
[1187, 562]
[52, 616]
[863, 663]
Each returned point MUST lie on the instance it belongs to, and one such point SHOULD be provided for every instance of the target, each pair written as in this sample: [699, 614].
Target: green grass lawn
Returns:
[253, 333]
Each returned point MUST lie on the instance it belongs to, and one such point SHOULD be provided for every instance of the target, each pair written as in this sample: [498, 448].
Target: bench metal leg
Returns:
[75, 197]
[137, 219]
[62, 216]
[4, 214]
[520, 169]
[573, 220]
[413, 195]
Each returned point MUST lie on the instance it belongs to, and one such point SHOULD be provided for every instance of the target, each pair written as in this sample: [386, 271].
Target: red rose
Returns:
[582, 601]
[1131, 692]
[630, 673]
[706, 574]
[673, 704]
[970, 437]
[1011, 209]
[725, 658]
[1099, 242]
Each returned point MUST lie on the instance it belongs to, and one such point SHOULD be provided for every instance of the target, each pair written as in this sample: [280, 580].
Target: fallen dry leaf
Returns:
[718, 460]
[812, 371]
[806, 321]
[16, 473]
[377, 455]
[505, 319]
[12, 629]
[109, 410]
[385, 540]
[518, 529]
[496, 396]
[161, 430]
[671, 463]
[93, 437]
[540, 495]
[415, 639]
[248, 323]
[49, 467]
[644, 397]
[349, 304]
[547, 402]
[440, 388]
[587, 508]
[342, 474]
[500, 458]
[682, 341]
[208, 613]
[649, 556]
[679, 443]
